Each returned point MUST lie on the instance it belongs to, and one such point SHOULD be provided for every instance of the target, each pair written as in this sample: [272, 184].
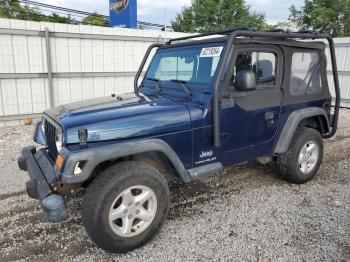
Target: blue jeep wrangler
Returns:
[204, 103]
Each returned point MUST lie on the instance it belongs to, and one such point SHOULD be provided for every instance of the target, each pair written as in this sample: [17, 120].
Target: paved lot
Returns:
[247, 213]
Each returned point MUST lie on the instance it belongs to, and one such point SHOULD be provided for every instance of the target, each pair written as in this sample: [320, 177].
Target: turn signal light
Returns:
[33, 130]
[59, 161]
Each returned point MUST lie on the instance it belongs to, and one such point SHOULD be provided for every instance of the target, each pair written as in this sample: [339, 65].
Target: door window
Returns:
[263, 64]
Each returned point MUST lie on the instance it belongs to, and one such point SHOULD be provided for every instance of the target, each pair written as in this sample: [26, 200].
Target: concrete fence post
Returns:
[49, 68]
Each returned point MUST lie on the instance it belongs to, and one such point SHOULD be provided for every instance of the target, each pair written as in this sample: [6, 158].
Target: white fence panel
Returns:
[86, 62]
[342, 50]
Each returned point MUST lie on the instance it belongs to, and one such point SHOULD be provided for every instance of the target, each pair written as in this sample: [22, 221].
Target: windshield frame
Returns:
[205, 86]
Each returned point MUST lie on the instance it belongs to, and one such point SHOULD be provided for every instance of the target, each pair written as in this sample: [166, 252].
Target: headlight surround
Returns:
[59, 140]
[39, 133]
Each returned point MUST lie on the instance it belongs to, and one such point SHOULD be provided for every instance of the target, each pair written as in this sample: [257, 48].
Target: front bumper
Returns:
[42, 176]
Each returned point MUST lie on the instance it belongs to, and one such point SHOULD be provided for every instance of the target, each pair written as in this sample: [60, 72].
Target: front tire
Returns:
[125, 206]
[304, 156]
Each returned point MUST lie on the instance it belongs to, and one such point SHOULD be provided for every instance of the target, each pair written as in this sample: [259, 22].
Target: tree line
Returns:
[13, 9]
[325, 16]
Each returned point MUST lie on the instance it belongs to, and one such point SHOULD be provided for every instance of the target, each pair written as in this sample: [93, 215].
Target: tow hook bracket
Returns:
[55, 208]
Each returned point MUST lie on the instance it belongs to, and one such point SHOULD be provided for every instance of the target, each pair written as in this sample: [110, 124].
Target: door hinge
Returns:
[227, 103]
[225, 137]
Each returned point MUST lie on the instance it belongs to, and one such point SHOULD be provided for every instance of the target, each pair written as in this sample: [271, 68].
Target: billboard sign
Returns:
[123, 13]
[118, 5]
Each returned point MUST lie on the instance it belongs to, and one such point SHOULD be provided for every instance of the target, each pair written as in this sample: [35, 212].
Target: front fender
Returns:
[95, 156]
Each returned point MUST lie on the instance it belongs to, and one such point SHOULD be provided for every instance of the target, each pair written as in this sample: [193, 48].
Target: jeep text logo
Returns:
[119, 5]
[206, 154]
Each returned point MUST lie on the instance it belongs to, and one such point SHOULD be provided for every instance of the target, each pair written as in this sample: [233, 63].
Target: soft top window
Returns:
[305, 74]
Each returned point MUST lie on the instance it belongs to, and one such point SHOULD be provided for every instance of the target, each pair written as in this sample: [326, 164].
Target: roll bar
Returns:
[139, 71]
[249, 32]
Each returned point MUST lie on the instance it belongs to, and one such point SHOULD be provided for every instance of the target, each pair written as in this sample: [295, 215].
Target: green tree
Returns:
[55, 18]
[95, 19]
[211, 15]
[13, 9]
[326, 16]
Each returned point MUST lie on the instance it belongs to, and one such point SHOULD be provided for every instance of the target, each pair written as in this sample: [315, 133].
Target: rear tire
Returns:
[304, 156]
[125, 206]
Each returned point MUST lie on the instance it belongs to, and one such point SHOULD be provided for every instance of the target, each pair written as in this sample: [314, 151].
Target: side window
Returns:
[263, 64]
[305, 74]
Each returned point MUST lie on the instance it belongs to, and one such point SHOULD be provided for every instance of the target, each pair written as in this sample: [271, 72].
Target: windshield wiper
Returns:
[157, 85]
[183, 85]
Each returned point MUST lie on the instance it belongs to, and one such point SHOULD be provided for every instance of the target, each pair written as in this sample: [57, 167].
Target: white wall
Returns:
[342, 50]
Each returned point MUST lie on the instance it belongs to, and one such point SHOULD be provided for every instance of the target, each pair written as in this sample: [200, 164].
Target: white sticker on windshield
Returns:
[211, 51]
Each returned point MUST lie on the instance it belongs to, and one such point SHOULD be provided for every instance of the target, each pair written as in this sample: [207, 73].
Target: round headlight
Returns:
[59, 140]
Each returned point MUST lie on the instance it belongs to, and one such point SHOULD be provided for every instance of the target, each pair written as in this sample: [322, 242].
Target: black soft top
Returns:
[286, 42]
[309, 44]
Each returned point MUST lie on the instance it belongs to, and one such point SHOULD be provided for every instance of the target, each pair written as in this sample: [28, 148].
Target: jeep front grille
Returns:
[50, 134]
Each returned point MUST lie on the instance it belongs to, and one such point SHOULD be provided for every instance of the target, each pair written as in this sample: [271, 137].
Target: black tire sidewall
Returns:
[102, 233]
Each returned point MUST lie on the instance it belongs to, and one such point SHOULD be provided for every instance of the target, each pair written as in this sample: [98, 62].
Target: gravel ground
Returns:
[247, 213]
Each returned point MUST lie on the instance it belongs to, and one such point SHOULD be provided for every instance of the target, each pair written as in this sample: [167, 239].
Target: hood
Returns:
[126, 116]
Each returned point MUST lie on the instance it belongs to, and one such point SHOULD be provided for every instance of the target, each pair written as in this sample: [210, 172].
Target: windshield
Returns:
[194, 65]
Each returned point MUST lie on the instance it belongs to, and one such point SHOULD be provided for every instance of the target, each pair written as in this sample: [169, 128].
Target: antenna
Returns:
[165, 29]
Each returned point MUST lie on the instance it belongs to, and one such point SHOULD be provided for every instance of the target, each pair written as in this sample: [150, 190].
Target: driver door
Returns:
[250, 119]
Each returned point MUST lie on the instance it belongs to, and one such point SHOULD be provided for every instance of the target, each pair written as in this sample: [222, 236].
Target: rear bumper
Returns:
[42, 176]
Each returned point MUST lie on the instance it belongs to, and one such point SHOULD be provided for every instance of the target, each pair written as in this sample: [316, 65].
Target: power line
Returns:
[61, 8]
[59, 12]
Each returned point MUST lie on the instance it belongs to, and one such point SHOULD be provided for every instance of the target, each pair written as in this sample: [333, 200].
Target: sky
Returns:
[153, 10]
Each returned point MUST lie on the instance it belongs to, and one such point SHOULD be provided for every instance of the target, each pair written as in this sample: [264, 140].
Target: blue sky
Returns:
[153, 10]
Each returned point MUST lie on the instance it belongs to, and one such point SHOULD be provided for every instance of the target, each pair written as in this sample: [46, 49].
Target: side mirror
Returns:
[245, 81]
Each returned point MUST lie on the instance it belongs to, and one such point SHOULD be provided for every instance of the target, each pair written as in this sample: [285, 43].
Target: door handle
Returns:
[269, 115]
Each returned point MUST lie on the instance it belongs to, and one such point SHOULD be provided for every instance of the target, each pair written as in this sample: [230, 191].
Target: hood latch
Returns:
[83, 136]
